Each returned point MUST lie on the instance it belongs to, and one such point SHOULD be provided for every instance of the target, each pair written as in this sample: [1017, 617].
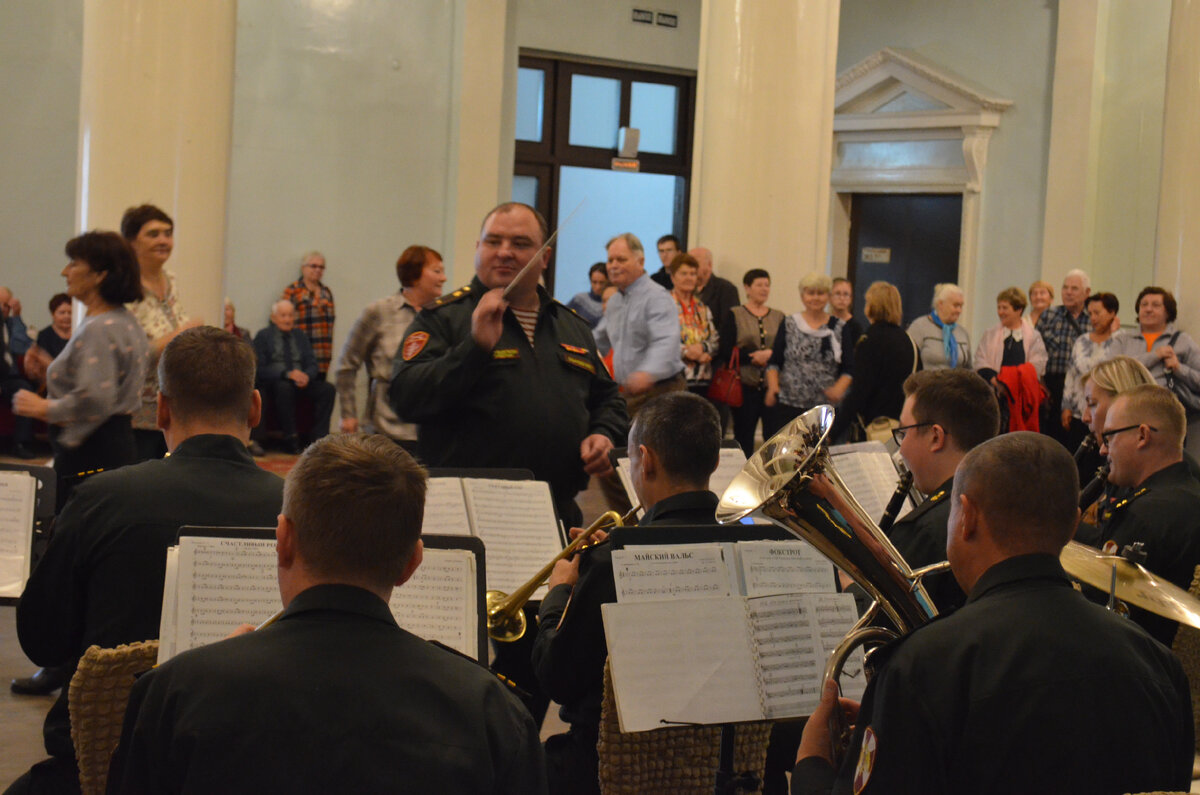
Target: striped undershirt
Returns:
[528, 320]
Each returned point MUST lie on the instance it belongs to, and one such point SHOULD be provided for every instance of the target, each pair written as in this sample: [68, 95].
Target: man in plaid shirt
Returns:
[314, 308]
[1060, 326]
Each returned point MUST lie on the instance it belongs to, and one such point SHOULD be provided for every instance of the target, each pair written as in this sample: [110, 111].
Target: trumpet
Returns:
[506, 612]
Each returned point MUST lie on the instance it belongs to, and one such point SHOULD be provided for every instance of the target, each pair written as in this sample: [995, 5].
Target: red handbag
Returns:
[726, 384]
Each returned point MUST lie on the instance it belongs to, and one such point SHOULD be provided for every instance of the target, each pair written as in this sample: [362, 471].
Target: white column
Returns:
[156, 103]
[1177, 253]
[763, 144]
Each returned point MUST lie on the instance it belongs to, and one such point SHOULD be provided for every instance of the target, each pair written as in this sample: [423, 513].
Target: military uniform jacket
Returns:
[920, 536]
[333, 697]
[1028, 688]
[1163, 511]
[101, 580]
[513, 406]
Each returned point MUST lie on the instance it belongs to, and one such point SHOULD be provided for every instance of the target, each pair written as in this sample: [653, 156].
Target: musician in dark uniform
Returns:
[101, 580]
[514, 382]
[946, 414]
[674, 446]
[334, 696]
[1143, 439]
[995, 697]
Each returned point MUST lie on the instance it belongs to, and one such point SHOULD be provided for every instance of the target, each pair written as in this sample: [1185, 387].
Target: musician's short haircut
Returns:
[957, 399]
[206, 373]
[631, 240]
[357, 502]
[1157, 406]
[1026, 485]
[684, 430]
[508, 207]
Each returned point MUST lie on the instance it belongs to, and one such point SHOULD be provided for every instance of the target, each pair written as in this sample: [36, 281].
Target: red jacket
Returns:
[1024, 396]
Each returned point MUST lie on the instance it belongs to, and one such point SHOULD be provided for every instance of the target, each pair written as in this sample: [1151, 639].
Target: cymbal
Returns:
[1135, 585]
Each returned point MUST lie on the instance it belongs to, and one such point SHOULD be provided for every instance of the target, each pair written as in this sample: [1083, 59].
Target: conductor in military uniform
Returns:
[946, 414]
[514, 381]
[997, 696]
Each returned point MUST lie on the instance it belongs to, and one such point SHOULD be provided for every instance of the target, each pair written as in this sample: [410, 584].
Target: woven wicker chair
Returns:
[676, 760]
[99, 694]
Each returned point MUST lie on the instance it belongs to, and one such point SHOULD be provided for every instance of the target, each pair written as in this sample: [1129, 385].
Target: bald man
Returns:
[287, 369]
[718, 294]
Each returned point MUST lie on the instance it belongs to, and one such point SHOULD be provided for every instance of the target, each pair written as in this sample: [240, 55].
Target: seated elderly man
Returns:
[994, 697]
[674, 446]
[334, 696]
[1143, 439]
[287, 369]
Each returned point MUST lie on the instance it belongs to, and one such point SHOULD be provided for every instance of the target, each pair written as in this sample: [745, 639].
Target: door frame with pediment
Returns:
[903, 124]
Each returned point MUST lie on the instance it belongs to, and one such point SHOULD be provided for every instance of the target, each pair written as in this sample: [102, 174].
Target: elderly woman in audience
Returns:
[93, 386]
[50, 341]
[375, 338]
[699, 338]
[941, 340]
[1041, 296]
[241, 332]
[151, 233]
[751, 329]
[1012, 357]
[1170, 355]
[884, 358]
[808, 364]
[1098, 345]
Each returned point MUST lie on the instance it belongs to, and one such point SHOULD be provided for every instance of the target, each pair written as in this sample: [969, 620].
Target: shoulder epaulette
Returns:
[457, 295]
[1106, 515]
[557, 302]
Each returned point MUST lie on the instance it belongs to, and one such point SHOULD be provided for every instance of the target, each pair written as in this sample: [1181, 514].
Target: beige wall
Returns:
[605, 29]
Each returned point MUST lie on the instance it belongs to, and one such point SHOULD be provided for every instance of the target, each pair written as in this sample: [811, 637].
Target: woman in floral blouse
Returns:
[1099, 345]
[697, 332]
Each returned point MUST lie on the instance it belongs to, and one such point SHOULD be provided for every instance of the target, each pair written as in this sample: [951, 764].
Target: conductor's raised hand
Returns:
[487, 319]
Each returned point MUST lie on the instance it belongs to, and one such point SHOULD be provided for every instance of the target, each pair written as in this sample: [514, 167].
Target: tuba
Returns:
[791, 481]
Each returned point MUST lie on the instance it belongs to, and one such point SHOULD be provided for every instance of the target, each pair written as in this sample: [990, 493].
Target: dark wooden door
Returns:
[918, 236]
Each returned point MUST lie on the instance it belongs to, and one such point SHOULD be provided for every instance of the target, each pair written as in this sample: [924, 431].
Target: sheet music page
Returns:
[782, 567]
[224, 582]
[836, 615]
[18, 493]
[445, 508]
[516, 521]
[788, 653]
[869, 473]
[685, 571]
[728, 467]
[438, 602]
[681, 660]
[168, 622]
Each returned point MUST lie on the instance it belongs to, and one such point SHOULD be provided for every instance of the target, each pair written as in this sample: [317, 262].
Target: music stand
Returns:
[43, 513]
[727, 781]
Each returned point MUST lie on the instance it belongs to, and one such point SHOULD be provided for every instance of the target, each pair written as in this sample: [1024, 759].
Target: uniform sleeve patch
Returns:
[415, 343]
[866, 761]
[574, 349]
[506, 353]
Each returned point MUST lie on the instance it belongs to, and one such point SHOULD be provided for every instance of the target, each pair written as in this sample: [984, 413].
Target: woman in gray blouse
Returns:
[94, 385]
[941, 340]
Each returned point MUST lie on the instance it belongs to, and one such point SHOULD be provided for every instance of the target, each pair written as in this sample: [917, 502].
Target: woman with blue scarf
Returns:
[941, 340]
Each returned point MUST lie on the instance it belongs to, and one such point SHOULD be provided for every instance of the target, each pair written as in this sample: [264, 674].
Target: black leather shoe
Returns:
[43, 682]
[23, 452]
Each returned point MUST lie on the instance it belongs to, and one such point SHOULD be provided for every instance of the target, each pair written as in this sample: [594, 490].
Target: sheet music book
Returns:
[213, 584]
[746, 658]
[729, 465]
[18, 495]
[515, 519]
[869, 473]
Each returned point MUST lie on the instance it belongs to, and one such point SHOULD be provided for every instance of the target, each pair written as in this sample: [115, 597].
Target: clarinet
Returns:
[1095, 487]
[897, 500]
[1088, 445]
